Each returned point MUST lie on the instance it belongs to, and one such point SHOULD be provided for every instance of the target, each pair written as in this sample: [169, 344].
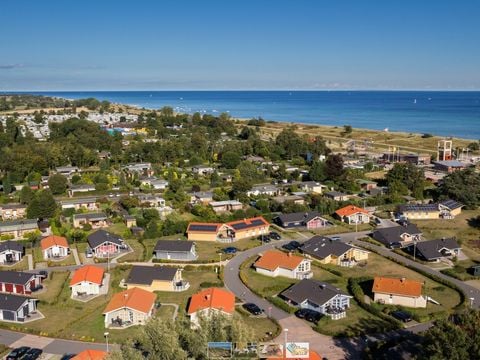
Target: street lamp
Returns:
[471, 301]
[106, 338]
[286, 333]
[414, 248]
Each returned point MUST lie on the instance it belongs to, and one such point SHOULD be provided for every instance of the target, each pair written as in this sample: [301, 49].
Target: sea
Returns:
[443, 113]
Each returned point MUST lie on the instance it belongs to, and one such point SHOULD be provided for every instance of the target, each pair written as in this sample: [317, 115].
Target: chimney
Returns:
[402, 280]
[207, 297]
[289, 254]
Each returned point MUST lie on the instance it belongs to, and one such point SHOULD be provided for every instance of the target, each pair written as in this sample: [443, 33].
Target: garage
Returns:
[8, 315]
[9, 288]
[19, 289]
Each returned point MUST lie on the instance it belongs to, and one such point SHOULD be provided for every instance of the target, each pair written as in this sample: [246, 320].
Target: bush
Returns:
[281, 304]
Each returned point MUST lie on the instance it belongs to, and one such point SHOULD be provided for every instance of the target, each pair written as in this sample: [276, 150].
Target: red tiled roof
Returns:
[215, 298]
[249, 223]
[90, 273]
[350, 210]
[90, 354]
[405, 287]
[52, 240]
[312, 356]
[273, 259]
[134, 298]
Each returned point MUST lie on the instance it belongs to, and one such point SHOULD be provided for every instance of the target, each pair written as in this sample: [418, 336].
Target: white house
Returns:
[87, 280]
[209, 301]
[54, 247]
[276, 263]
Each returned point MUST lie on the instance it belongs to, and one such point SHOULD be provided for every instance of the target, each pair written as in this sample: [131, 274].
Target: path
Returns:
[30, 261]
[76, 257]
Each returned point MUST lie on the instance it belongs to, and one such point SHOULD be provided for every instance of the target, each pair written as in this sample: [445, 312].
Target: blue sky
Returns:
[239, 44]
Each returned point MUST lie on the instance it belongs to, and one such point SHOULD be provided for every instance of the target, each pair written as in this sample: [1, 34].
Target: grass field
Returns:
[21, 265]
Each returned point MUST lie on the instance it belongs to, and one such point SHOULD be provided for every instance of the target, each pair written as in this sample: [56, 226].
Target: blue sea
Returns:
[445, 113]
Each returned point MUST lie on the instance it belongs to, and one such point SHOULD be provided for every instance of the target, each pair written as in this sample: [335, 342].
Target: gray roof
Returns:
[335, 193]
[298, 216]
[391, 235]
[24, 224]
[314, 291]
[432, 249]
[15, 277]
[418, 208]
[13, 206]
[174, 245]
[78, 200]
[147, 274]
[321, 247]
[12, 302]
[11, 245]
[450, 163]
[101, 236]
[91, 216]
[451, 204]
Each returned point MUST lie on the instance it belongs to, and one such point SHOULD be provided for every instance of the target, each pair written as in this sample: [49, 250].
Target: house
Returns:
[366, 185]
[105, 244]
[54, 247]
[310, 220]
[154, 183]
[337, 196]
[13, 211]
[130, 307]
[144, 169]
[318, 296]
[17, 229]
[268, 190]
[328, 251]
[11, 252]
[95, 220]
[156, 278]
[312, 355]
[18, 282]
[87, 203]
[450, 208]
[91, 354]
[398, 236]
[16, 308]
[228, 232]
[296, 199]
[394, 291]
[277, 263]
[312, 187]
[80, 188]
[352, 214]
[226, 206]
[201, 197]
[129, 220]
[435, 250]
[446, 209]
[209, 301]
[67, 171]
[87, 280]
[449, 166]
[475, 270]
[151, 200]
[202, 170]
[179, 250]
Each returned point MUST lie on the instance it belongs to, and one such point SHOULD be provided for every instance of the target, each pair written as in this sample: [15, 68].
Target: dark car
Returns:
[252, 309]
[37, 288]
[309, 315]
[68, 356]
[264, 238]
[291, 246]
[32, 354]
[404, 316]
[230, 250]
[274, 235]
[43, 273]
[17, 353]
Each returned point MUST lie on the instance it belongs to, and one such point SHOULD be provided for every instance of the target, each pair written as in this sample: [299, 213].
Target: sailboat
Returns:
[414, 101]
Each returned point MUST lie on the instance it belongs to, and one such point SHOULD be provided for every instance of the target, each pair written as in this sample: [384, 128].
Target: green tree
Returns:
[7, 184]
[42, 206]
[230, 159]
[57, 184]
[318, 171]
[334, 167]
[26, 195]
[462, 186]
[406, 175]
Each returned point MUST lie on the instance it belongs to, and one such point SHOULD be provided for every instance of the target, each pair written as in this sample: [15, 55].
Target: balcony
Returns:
[304, 275]
[181, 286]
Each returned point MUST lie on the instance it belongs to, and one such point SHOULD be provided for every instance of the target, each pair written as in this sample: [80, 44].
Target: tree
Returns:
[26, 195]
[334, 167]
[407, 176]
[318, 171]
[42, 206]
[347, 130]
[7, 184]
[462, 186]
[57, 184]
[230, 159]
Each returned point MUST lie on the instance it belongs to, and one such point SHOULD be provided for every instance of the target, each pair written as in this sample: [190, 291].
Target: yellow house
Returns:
[328, 251]
[156, 278]
[446, 209]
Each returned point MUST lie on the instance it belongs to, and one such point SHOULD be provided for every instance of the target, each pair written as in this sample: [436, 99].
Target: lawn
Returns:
[262, 326]
[38, 258]
[21, 265]
[136, 255]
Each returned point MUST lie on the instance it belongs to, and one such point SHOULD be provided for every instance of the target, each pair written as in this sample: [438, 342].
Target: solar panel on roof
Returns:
[203, 227]
[258, 222]
[240, 226]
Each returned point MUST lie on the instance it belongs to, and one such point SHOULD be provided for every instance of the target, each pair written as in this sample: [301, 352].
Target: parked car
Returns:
[252, 308]
[274, 235]
[309, 315]
[264, 238]
[32, 354]
[17, 353]
[404, 316]
[68, 356]
[291, 246]
[37, 288]
[335, 238]
[43, 273]
[230, 250]
[88, 253]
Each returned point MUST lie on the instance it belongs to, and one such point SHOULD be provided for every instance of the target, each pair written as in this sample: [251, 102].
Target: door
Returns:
[25, 311]
[8, 315]
[9, 257]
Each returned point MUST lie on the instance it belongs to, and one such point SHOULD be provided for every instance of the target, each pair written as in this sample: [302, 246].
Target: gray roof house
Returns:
[310, 220]
[181, 250]
[318, 296]
[156, 278]
[16, 308]
[18, 228]
[434, 250]
[11, 252]
[105, 244]
[398, 236]
[329, 251]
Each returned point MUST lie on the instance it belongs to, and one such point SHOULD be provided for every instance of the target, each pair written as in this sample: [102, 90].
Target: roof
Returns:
[174, 245]
[350, 210]
[432, 249]
[145, 275]
[134, 298]
[314, 291]
[88, 273]
[322, 247]
[79, 200]
[225, 202]
[273, 259]
[91, 216]
[451, 204]
[335, 194]
[13, 206]
[402, 286]
[393, 234]
[91, 354]
[248, 223]
[312, 355]
[203, 227]
[53, 240]
[203, 194]
[101, 236]
[298, 217]
[418, 208]
[450, 163]
[12, 302]
[15, 277]
[214, 298]
[24, 224]
[11, 245]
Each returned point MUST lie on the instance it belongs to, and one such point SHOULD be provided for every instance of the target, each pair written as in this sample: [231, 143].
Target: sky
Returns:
[239, 44]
